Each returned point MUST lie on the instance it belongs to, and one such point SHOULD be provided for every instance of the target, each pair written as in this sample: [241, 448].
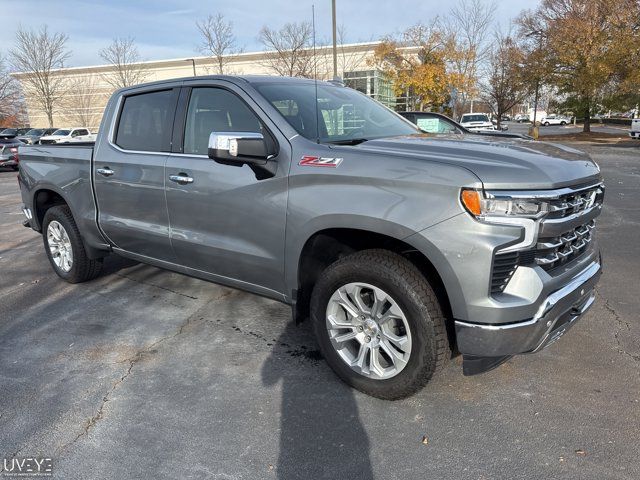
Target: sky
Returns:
[166, 28]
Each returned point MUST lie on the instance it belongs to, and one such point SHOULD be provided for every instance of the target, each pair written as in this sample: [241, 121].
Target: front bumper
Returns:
[557, 313]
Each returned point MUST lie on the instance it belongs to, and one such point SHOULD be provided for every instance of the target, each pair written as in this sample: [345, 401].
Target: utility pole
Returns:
[193, 63]
[335, 48]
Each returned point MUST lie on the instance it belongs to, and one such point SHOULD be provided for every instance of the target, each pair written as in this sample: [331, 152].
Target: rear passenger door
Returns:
[129, 175]
[225, 221]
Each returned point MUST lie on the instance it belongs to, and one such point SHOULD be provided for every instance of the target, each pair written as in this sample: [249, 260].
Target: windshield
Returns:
[9, 131]
[346, 115]
[61, 133]
[475, 118]
[35, 132]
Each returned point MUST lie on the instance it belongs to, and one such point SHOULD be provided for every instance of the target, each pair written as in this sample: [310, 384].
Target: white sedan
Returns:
[554, 120]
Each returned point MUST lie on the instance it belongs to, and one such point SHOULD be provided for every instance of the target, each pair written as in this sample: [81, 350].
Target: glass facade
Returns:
[372, 83]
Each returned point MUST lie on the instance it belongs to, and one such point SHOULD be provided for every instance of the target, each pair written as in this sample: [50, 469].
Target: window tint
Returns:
[215, 110]
[146, 122]
[433, 124]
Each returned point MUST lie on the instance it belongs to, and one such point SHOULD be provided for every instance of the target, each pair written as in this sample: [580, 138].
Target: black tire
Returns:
[563, 123]
[15, 168]
[546, 124]
[82, 268]
[411, 291]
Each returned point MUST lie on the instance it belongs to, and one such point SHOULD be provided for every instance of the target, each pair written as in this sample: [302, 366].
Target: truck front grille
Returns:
[565, 234]
[555, 251]
[575, 202]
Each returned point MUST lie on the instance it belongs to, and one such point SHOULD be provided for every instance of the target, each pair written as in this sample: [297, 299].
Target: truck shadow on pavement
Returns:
[321, 435]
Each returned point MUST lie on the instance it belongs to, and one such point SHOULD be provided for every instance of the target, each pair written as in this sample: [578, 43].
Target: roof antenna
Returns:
[315, 70]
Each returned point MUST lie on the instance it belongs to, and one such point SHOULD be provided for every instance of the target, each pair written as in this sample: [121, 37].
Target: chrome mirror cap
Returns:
[228, 141]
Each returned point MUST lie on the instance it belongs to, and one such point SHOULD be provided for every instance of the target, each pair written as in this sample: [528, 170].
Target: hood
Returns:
[500, 163]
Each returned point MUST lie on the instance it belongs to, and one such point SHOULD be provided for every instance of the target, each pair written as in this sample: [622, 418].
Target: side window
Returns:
[146, 121]
[75, 133]
[215, 110]
[436, 125]
[81, 132]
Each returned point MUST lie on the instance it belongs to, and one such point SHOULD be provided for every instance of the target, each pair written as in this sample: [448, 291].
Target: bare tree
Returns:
[123, 55]
[348, 60]
[11, 99]
[505, 83]
[218, 40]
[83, 101]
[289, 49]
[37, 54]
[466, 30]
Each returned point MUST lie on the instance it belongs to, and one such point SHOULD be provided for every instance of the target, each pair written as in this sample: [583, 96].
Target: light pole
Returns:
[193, 63]
[335, 48]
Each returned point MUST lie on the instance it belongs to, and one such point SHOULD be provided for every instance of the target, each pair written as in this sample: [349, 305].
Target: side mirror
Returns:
[243, 148]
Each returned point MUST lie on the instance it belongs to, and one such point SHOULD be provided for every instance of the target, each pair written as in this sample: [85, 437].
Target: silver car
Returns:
[9, 151]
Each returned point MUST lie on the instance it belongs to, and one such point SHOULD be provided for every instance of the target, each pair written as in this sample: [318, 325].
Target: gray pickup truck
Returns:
[404, 248]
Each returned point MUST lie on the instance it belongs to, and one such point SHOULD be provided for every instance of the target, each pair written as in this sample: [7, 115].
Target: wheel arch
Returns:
[42, 200]
[326, 246]
[47, 197]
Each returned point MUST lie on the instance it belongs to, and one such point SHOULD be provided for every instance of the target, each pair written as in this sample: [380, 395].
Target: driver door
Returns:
[225, 221]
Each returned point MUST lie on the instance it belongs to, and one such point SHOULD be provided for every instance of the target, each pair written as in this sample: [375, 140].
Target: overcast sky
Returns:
[165, 28]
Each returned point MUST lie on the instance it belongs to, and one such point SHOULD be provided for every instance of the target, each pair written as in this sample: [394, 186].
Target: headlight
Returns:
[485, 208]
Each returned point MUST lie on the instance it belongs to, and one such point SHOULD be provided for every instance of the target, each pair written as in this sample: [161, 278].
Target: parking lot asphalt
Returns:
[144, 373]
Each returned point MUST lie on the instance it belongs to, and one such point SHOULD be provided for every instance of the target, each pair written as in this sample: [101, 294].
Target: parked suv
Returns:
[33, 135]
[477, 121]
[9, 145]
[68, 135]
[401, 247]
[554, 119]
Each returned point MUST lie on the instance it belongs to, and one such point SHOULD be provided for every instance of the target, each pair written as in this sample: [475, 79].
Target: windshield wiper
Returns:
[349, 141]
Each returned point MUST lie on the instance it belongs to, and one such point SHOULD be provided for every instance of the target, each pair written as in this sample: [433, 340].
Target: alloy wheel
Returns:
[368, 330]
[60, 246]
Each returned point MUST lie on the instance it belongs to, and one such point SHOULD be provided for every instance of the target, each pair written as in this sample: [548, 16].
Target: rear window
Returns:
[475, 118]
[146, 122]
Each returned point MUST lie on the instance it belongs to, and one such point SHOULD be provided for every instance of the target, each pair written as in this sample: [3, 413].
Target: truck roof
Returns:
[232, 78]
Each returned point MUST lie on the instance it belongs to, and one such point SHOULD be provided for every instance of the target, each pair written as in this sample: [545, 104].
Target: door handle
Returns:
[106, 171]
[181, 178]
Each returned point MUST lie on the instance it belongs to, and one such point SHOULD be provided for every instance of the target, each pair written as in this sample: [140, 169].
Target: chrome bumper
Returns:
[557, 313]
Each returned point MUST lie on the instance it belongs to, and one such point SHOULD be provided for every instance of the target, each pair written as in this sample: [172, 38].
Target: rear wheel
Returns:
[563, 123]
[64, 247]
[379, 324]
[546, 124]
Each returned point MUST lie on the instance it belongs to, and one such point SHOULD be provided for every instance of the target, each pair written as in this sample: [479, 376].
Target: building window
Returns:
[372, 83]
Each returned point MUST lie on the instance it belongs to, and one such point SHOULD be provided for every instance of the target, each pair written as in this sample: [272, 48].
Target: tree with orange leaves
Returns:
[417, 66]
[587, 46]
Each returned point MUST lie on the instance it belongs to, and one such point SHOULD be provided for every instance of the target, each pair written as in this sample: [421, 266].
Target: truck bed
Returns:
[63, 169]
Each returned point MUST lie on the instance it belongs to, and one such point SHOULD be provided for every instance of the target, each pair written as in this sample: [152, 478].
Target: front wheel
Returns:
[546, 124]
[64, 247]
[563, 123]
[379, 324]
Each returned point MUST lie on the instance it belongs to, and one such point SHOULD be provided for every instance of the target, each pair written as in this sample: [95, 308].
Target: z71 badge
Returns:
[311, 161]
